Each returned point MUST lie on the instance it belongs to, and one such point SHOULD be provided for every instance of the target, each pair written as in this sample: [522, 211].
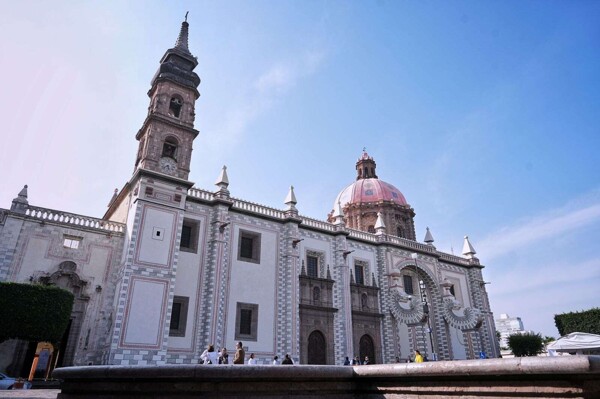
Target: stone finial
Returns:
[303, 269]
[114, 197]
[468, 249]
[223, 180]
[19, 204]
[328, 272]
[338, 215]
[373, 280]
[290, 199]
[379, 225]
[351, 277]
[428, 237]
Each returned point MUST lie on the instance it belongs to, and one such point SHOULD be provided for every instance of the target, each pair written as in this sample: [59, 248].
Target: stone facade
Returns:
[170, 268]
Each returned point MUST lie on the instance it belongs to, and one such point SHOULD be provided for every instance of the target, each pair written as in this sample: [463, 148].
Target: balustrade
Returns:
[59, 217]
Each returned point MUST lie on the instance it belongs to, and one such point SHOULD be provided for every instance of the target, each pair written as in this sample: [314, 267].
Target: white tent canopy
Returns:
[575, 342]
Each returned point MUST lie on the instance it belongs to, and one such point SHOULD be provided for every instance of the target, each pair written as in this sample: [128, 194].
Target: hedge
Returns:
[587, 321]
[525, 344]
[34, 312]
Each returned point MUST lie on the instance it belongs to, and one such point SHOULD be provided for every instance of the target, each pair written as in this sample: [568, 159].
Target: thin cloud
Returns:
[278, 80]
[532, 280]
[527, 232]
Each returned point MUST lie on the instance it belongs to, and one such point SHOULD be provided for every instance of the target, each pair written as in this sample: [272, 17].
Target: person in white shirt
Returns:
[210, 356]
[275, 360]
[252, 360]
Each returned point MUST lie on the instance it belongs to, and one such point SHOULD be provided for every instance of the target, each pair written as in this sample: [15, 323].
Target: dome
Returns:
[369, 190]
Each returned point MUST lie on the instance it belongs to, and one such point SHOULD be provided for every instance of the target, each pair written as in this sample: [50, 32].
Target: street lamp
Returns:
[414, 255]
[426, 311]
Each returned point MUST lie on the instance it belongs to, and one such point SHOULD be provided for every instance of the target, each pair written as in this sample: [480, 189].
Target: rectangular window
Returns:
[359, 274]
[312, 266]
[189, 235]
[179, 316]
[249, 246]
[71, 242]
[246, 322]
[408, 285]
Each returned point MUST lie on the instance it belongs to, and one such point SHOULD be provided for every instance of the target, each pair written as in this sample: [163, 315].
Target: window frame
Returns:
[404, 285]
[69, 241]
[316, 266]
[253, 308]
[256, 246]
[362, 278]
[194, 226]
[184, 303]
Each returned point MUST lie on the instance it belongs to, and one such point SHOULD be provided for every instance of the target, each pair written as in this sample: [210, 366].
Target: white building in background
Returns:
[171, 268]
[508, 326]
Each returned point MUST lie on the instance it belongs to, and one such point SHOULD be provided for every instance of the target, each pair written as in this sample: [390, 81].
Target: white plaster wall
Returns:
[145, 311]
[156, 251]
[34, 258]
[458, 345]
[405, 348]
[99, 262]
[256, 284]
[462, 294]
[189, 267]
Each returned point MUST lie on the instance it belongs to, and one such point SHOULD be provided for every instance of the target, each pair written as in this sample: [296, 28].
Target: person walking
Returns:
[240, 355]
[252, 360]
[366, 360]
[275, 360]
[347, 361]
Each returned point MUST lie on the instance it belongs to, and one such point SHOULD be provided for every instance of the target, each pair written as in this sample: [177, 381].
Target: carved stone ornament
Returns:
[470, 319]
[411, 314]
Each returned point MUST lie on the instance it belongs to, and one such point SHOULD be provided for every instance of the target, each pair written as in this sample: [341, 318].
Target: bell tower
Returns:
[153, 204]
[165, 138]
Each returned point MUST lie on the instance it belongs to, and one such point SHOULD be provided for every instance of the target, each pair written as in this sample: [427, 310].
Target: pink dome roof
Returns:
[369, 190]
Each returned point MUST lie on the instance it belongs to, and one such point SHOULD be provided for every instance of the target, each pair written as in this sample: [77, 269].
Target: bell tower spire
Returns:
[182, 40]
[168, 132]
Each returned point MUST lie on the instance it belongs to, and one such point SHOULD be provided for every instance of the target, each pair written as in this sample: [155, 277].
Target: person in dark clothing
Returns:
[287, 360]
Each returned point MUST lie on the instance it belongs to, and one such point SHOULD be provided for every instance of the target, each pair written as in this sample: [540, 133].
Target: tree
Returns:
[525, 344]
[34, 312]
[587, 321]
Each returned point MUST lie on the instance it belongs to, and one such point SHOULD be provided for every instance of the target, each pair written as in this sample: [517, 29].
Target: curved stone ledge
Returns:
[561, 377]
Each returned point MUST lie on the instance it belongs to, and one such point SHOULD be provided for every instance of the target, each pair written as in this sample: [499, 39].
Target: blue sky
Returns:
[486, 115]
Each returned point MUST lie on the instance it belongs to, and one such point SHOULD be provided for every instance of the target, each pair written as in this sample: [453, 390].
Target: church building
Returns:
[171, 268]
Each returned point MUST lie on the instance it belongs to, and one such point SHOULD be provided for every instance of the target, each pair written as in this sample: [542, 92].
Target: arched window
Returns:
[175, 106]
[170, 148]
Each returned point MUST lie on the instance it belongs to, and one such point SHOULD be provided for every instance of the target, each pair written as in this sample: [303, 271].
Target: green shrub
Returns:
[587, 321]
[34, 312]
[525, 344]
